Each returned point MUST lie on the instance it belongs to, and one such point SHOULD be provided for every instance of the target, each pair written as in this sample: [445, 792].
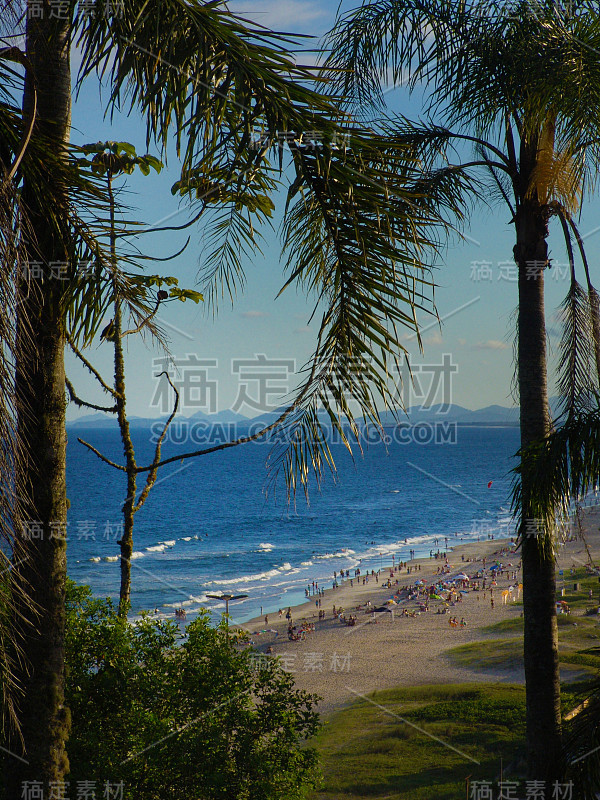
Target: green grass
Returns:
[401, 747]
[511, 625]
[577, 635]
[515, 624]
[489, 655]
[505, 654]
[579, 599]
[421, 743]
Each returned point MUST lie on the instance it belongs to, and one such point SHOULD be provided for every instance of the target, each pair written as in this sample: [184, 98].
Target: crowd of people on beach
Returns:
[445, 589]
[297, 634]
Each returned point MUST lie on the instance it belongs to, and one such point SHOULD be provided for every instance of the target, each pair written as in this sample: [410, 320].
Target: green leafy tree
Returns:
[507, 80]
[357, 220]
[207, 718]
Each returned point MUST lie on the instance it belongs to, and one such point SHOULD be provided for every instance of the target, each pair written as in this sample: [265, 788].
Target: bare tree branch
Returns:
[92, 369]
[81, 403]
[144, 322]
[155, 464]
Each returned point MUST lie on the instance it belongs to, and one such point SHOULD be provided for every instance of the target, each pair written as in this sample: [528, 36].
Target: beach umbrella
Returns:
[383, 608]
[462, 576]
[419, 582]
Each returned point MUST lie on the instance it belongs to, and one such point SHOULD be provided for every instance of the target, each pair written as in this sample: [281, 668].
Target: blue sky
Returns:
[476, 293]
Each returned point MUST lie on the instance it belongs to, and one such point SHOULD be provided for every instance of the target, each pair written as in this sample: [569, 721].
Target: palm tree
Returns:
[356, 227]
[505, 80]
[563, 467]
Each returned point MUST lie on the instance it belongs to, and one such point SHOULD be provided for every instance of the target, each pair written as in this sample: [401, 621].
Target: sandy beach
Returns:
[341, 662]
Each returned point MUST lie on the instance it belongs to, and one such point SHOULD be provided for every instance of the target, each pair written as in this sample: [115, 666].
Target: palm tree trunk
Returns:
[539, 583]
[40, 559]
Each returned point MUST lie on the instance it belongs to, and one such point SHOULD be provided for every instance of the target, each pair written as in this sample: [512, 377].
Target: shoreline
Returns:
[387, 563]
[344, 593]
[340, 663]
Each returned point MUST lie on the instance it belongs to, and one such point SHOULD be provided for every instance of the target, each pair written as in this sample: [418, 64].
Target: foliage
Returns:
[484, 71]
[359, 227]
[504, 81]
[581, 743]
[233, 98]
[208, 80]
[181, 720]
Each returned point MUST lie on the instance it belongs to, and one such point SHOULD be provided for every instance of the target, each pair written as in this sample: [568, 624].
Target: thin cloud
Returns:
[254, 314]
[435, 338]
[491, 344]
[280, 14]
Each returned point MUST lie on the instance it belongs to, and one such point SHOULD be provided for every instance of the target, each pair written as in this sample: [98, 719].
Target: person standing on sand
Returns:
[266, 619]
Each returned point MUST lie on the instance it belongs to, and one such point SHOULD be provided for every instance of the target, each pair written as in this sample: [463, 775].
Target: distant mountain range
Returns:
[489, 416]
[102, 420]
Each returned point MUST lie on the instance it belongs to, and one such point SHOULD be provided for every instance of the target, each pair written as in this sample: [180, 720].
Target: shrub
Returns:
[181, 721]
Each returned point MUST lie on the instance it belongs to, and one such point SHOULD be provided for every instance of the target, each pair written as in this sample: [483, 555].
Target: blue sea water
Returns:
[207, 527]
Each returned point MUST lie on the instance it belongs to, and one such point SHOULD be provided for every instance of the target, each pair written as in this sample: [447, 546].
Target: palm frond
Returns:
[555, 177]
[576, 350]
[237, 204]
[581, 745]
[577, 385]
[198, 72]
[563, 466]
[15, 229]
[358, 231]
[395, 41]
[594, 310]
[593, 300]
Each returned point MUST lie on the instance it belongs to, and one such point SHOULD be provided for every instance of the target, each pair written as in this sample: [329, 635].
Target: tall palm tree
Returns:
[506, 80]
[356, 225]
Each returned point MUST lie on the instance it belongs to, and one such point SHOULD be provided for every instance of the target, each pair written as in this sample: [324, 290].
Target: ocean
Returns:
[208, 527]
